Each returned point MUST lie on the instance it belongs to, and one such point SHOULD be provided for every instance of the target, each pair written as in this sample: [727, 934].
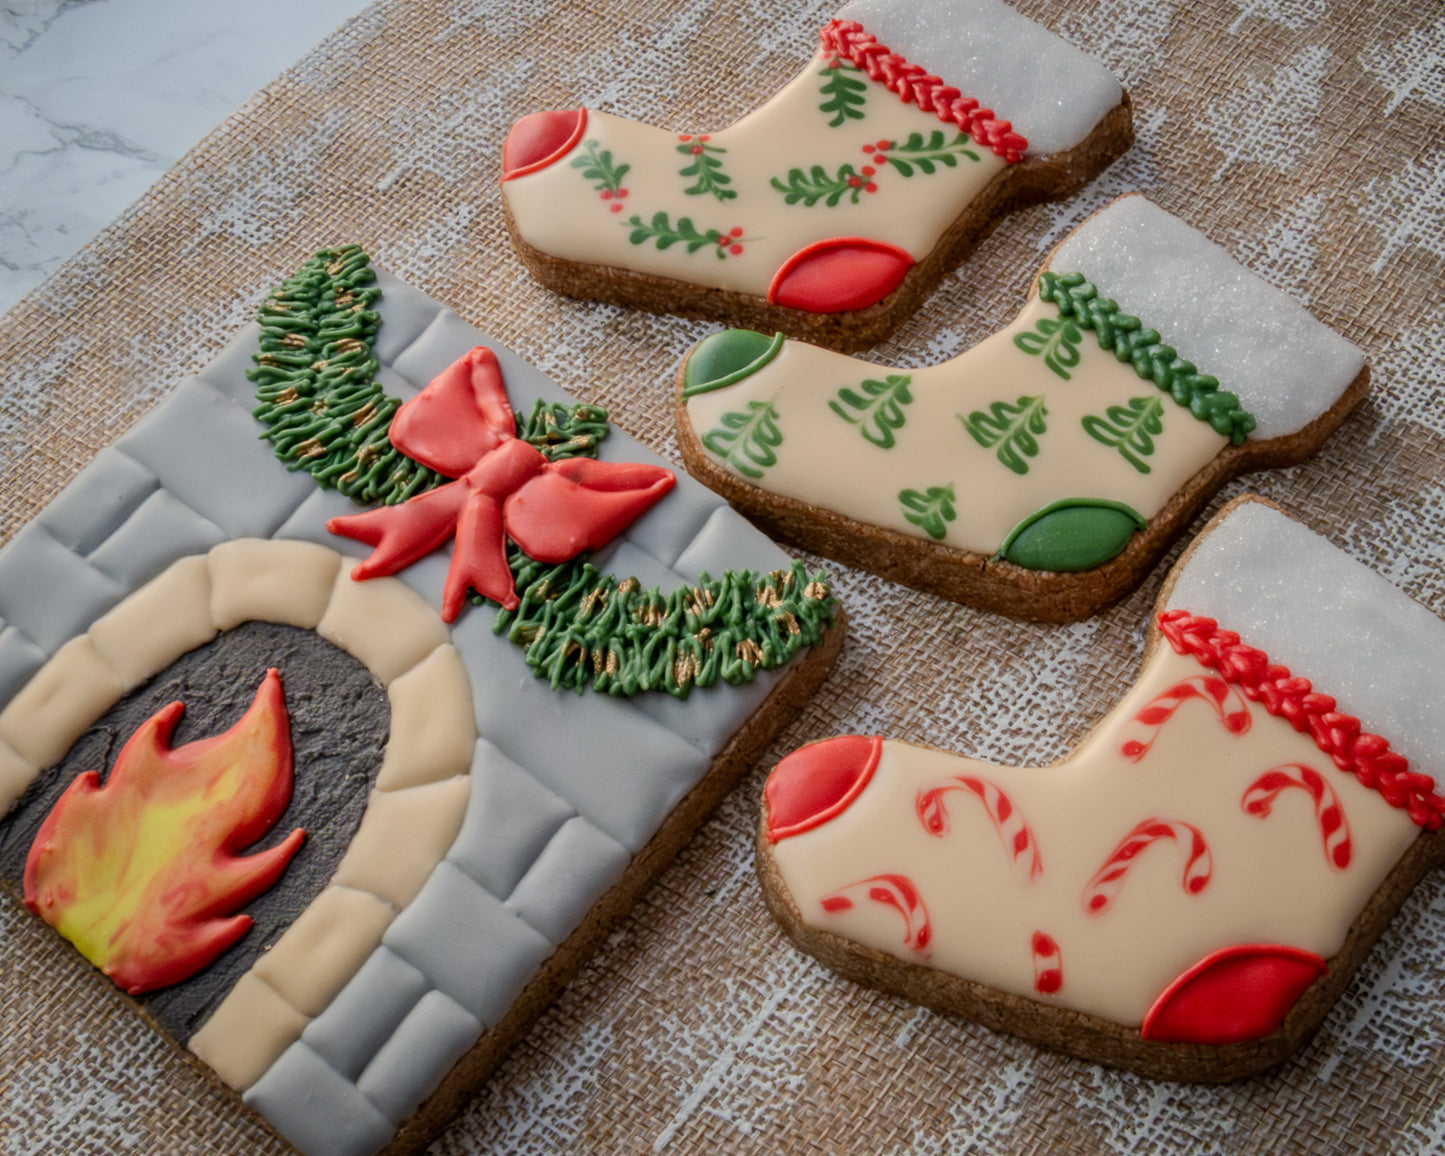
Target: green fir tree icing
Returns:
[844, 92]
[1056, 341]
[1013, 430]
[706, 170]
[578, 627]
[747, 441]
[1126, 338]
[1129, 429]
[662, 232]
[930, 510]
[878, 410]
[597, 166]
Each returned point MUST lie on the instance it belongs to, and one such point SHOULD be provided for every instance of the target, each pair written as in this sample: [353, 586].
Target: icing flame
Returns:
[142, 874]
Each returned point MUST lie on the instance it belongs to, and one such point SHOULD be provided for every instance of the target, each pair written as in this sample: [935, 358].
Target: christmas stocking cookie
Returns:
[1043, 472]
[833, 209]
[1188, 892]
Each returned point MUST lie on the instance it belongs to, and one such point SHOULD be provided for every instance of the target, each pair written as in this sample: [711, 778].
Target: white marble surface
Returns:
[98, 98]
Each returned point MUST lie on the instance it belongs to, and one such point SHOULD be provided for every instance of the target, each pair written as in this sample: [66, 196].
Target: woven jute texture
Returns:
[1308, 136]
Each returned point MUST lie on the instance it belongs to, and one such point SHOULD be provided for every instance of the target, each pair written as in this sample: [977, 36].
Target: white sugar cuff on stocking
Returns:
[1311, 607]
[1052, 93]
[1285, 367]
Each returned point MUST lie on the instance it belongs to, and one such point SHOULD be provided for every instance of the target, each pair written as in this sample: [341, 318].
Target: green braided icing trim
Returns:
[324, 412]
[322, 407]
[1127, 339]
[578, 626]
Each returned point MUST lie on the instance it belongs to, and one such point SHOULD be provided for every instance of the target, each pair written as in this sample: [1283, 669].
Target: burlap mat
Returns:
[1306, 135]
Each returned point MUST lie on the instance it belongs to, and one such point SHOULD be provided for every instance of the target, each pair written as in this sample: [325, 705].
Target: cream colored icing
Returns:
[1270, 881]
[433, 725]
[16, 773]
[825, 461]
[61, 702]
[402, 837]
[254, 580]
[247, 1031]
[382, 623]
[560, 212]
[166, 617]
[325, 947]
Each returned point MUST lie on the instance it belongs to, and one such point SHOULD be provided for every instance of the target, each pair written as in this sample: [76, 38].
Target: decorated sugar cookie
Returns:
[1188, 892]
[832, 210]
[349, 698]
[1043, 472]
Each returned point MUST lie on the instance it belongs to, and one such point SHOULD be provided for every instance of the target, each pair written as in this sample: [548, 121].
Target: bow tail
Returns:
[403, 534]
[580, 504]
[479, 560]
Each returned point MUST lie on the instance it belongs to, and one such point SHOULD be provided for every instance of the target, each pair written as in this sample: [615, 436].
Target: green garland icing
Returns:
[321, 404]
[324, 412]
[578, 626]
[1127, 339]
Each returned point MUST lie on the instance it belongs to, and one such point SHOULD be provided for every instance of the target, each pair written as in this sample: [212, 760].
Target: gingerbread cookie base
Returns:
[1091, 1037]
[995, 584]
[1031, 181]
[491, 857]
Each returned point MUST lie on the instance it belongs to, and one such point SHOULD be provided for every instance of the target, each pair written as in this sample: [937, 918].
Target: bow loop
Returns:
[462, 426]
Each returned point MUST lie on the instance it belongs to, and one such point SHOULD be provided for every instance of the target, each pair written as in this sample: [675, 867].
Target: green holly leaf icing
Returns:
[664, 234]
[930, 510]
[817, 184]
[746, 441]
[927, 154]
[1056, 341]
[1130, 429]
[1071, 535]
[1014, 429]
[598, 167]
[845, 92]
[878, 411]
[706, 170]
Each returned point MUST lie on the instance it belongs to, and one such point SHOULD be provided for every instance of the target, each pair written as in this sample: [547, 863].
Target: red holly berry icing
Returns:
[1367, 756]
[911, 83]
[1232, 995]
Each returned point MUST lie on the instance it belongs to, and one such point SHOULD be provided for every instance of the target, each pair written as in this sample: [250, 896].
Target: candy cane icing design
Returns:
[1014, 833]
[1104, 887]
[1210, 844]
[1334, 829]
[897, 892]
[1227, 702]
[1048, 964]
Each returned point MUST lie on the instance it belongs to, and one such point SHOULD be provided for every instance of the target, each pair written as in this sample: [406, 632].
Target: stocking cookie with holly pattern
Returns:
[1188, 893]
[1043, 472]
[833, 209]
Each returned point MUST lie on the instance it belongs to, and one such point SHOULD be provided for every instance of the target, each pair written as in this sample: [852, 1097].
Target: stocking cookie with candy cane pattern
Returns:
[832, 210]
[1043, 472]
[1188, 893]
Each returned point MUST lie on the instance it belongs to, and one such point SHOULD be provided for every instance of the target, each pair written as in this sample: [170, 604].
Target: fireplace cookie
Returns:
[1189, 892]
[1043, 472]
[830, 212]
[343, 809]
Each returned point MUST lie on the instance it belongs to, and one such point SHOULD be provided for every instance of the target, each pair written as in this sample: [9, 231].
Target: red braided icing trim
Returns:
[910, 82]
[1368, 757]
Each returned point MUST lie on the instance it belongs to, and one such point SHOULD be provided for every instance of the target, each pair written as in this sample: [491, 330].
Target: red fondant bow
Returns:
[462, 426]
